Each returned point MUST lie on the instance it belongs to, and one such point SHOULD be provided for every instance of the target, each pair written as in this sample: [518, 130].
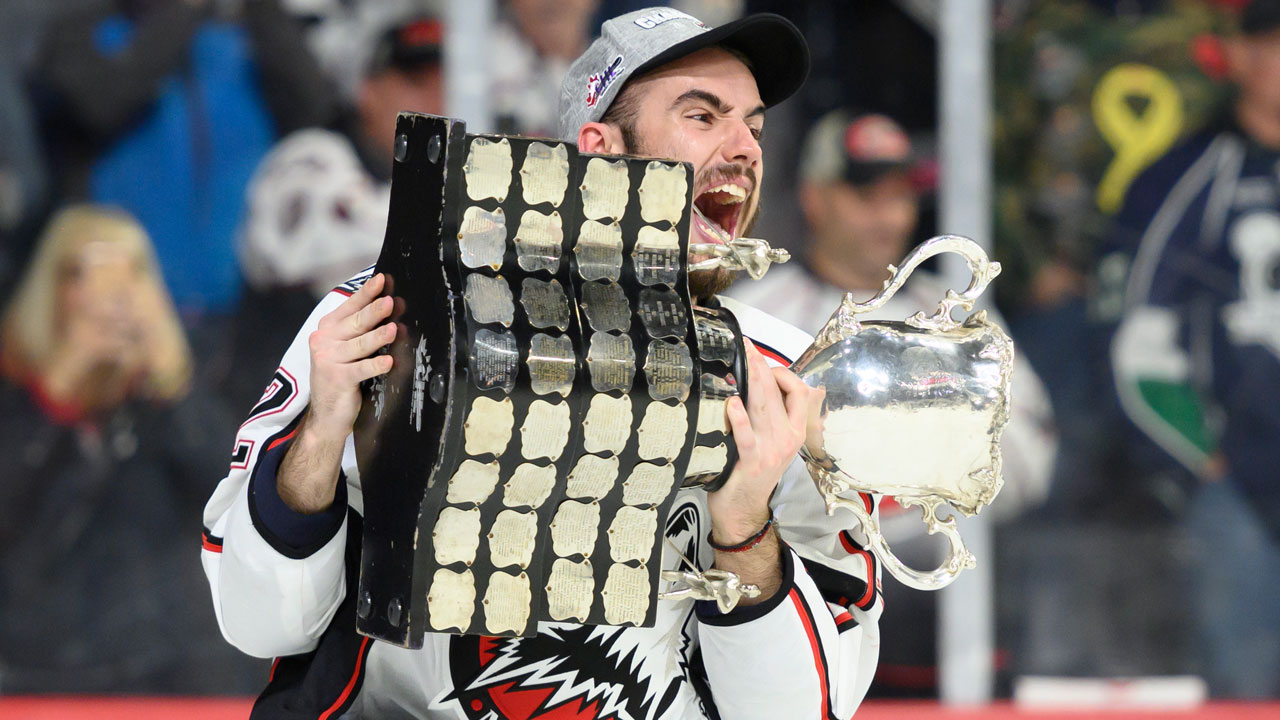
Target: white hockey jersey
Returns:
[283, 583]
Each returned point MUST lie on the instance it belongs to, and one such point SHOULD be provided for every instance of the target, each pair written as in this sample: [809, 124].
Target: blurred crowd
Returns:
[180, 180]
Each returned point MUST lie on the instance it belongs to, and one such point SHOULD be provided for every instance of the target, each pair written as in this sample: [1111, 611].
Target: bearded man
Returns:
[283, 529]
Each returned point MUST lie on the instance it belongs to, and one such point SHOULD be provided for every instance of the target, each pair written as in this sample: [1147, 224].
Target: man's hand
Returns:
[768, 430]
[340, 360]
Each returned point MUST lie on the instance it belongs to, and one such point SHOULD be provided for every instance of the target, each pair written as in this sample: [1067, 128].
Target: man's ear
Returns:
[601, 139]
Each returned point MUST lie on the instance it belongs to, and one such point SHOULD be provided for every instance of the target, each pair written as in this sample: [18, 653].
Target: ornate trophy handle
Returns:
[958, 557]
[843, 323]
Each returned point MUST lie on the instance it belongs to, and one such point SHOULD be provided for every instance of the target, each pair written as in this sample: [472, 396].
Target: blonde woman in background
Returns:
[106, 445]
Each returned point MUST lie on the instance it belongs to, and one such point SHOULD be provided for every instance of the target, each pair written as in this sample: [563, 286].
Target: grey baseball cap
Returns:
[638, 41]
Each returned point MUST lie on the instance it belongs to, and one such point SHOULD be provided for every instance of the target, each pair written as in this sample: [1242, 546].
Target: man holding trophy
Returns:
[777, 614]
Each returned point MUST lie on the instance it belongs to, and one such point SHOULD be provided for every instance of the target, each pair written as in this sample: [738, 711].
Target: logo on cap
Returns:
[599, 82]
[656, 18]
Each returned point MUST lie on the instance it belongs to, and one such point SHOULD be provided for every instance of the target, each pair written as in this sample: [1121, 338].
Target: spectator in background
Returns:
[861, 193]
[317, 204]
[534, 43]
[108, 458]
[1196, 356]
[165, 108]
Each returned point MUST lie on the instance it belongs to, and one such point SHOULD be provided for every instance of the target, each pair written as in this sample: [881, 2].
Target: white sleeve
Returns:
[277, 576]
[810, 650]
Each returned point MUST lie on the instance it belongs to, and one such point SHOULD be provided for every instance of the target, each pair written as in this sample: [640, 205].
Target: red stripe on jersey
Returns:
[344, 292]
[818, 662]
[771, 353]
[207, 545]
[351, 684]
[274, 664]
[852, 549]
[843, 618]
[286, 438]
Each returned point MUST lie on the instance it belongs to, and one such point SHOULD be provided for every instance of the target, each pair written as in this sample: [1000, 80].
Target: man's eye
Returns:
[757, 133]
[701, 117]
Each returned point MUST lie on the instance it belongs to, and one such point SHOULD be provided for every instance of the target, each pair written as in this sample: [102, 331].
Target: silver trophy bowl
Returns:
[913, 409]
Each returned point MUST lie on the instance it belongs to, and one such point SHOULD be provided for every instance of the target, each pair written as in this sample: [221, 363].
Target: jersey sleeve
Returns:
[810, 650]
[277, 576]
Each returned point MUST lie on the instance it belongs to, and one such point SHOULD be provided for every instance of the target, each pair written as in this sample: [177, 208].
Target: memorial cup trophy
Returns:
[555, 385]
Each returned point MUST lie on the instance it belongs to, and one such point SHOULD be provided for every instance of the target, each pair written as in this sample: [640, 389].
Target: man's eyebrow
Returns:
[714, 101]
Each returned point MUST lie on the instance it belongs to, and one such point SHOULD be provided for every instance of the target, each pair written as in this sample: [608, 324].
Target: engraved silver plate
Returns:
[511, 538]
[451, 599]
[606, 306]
[632, 534]
[662, 431]
[604, 189]
[715, 340]
[625, 595]
[545, 431]
[669, 369]
[507, 603]
[593, 477]
[711, 415]
[494, 360]
[456, 535]
[488, 426]
[663, 192]
[663, 313]
[545, 303]
[656, 256]
[489, 299]
[612, 361]
[551, 364]
[538, 241]
[488, 169]
[570, 590]
[473, 482]
[649, 484]
[574, 528]
[530, 486]
[707, 460]
[599, 251]
[608, 424]
[545, 174]
[482, 239]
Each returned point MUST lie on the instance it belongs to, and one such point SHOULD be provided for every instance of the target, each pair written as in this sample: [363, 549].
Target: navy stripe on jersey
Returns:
[771, 352]
[289, 532]
[840, 588]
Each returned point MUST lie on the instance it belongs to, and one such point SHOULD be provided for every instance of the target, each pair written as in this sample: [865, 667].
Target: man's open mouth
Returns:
[721, 206]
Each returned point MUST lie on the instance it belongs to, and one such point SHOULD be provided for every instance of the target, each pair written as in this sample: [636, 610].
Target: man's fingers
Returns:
[762, 389]
[371, 367]
[797, 396]
[365, 345]
[740, 423]
[359, 299]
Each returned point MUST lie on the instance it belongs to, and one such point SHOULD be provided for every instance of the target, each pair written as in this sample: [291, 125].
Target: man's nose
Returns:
[742, 146]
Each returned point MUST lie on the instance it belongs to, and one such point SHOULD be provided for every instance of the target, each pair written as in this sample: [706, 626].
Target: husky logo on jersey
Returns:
[1255, 318]
[582, 672]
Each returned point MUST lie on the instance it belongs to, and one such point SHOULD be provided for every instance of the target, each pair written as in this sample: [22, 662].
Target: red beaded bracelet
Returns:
[745, 545]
